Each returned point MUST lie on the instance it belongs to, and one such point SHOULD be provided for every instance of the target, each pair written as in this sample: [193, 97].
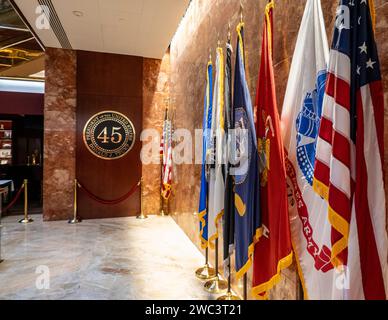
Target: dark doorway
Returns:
[21, 157]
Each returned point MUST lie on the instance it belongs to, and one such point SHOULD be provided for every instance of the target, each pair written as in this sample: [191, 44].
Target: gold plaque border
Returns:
[96, 115]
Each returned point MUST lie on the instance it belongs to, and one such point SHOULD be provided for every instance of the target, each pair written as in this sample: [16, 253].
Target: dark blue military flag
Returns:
[246, 171]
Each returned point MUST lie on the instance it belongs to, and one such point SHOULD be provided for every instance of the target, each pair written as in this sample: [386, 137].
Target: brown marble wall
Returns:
[156, 87]
[59, 134]
[204, 23]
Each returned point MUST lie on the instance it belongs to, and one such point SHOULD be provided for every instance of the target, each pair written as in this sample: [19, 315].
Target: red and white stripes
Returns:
[333, 178]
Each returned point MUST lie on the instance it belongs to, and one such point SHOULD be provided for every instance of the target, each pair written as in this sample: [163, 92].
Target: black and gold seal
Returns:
[109, 135]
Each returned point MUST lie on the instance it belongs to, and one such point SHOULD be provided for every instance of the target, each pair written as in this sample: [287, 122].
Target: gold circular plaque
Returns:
[109, 135]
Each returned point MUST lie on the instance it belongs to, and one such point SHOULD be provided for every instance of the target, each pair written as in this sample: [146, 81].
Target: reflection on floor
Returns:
[119, 259]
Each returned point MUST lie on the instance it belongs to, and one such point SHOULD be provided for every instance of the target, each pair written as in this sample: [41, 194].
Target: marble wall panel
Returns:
[59, 134]
[156, 87]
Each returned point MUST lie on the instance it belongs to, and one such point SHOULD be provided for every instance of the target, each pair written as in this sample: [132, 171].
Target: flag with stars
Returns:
[301, 117]
[349, 160]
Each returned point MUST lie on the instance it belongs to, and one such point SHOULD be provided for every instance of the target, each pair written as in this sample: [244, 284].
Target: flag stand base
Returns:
[142, 216]
[26, 220]
[229, 297]
[216, 286]
[205, 273]
[75, 221]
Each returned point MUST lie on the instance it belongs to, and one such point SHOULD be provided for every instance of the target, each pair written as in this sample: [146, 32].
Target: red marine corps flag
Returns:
[273, 252]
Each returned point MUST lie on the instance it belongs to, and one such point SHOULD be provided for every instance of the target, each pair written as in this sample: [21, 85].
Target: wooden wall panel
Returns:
[108, 82]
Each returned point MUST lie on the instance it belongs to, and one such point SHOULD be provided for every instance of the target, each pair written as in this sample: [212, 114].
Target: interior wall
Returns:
[108, 82]
[205, 22]
[21, 103]
[156, 89]
[59, 133]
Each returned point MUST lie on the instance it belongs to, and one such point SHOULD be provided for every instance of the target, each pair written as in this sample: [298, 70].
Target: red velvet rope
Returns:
[109, 202]
[17, 196]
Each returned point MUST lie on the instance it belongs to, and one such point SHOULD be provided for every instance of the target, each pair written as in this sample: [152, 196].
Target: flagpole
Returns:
[229, 296]
[245, 287]
[205, 272]
[216, 285]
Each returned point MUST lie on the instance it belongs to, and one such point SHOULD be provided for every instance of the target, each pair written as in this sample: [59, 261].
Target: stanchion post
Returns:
[142, 216]
[26, 218]
[216, 285]
[75, 219]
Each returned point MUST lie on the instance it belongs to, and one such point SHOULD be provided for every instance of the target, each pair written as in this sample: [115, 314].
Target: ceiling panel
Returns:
[134, 27]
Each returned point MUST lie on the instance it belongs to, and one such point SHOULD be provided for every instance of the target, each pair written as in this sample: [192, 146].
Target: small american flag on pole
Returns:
[350, 149]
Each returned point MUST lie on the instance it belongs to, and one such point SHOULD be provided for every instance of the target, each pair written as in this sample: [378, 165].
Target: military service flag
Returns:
[228, 221]
[273, 252]
[247, 198]
[216, 153]
[206, 126]
[301, 118]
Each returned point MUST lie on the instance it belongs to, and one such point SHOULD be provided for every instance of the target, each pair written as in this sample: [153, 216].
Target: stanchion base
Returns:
[229, 297]
[205, 273]
[142, 217]
[26, 220]
[163, 214]
[75, 221]
[216, 286]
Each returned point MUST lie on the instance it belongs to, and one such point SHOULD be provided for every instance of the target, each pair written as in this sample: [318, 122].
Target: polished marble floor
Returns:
[122, 258]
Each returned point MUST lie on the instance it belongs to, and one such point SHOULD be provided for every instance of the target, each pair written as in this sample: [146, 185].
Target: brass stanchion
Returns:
[216, 285]
[142, 216]
[75, 219]
[205, 272]
[26, 218]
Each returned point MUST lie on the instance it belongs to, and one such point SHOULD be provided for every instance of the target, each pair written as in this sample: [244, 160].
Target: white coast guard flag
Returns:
[216, 181]
[302, 110]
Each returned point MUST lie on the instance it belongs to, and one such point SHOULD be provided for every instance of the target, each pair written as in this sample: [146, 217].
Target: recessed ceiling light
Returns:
[78, 13]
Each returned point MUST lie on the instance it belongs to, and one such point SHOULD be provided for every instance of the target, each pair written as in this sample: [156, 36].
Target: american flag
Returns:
[350, 149]
[166, 157]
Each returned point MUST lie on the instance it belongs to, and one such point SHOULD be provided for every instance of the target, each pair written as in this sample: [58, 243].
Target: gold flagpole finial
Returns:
[210, 54]
[218, 40]
[229, 33]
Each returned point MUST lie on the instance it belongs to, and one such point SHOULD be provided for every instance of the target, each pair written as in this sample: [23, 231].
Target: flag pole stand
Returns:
[164, 205]
[205, 272]
[245, 287]
[75, 219]
[142, 216]
[26, 218]
[216, 285]
[229, 296]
